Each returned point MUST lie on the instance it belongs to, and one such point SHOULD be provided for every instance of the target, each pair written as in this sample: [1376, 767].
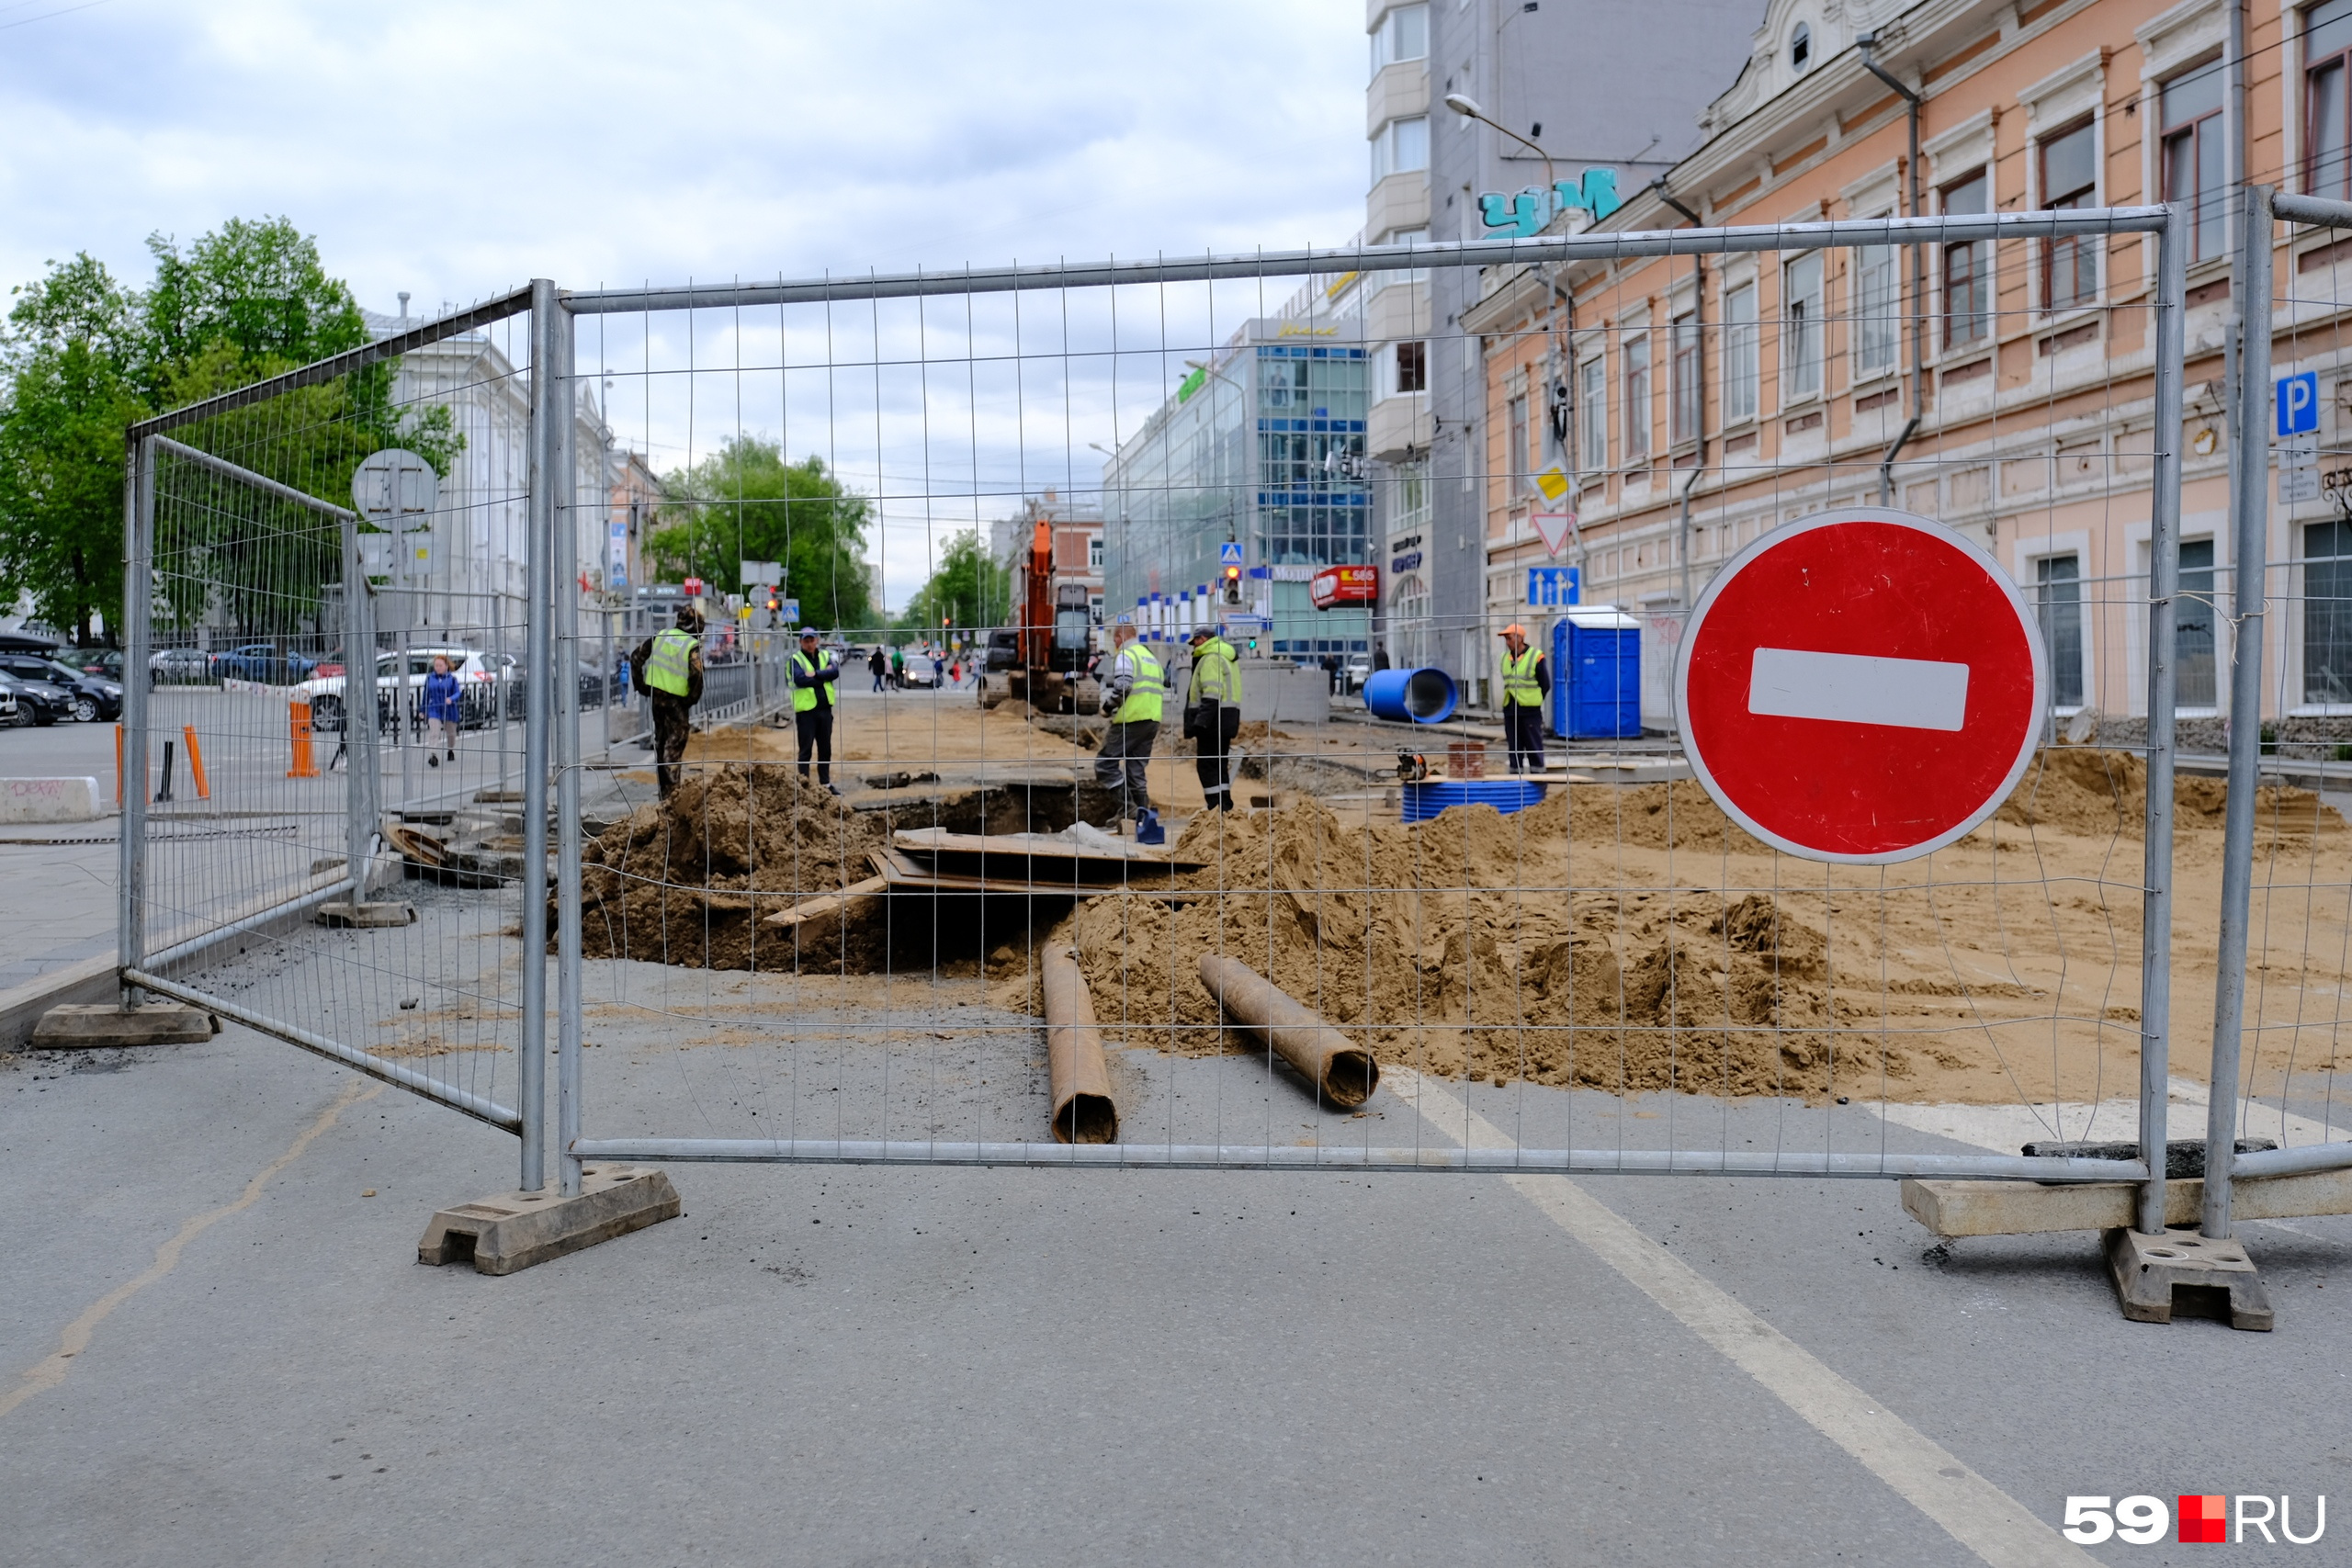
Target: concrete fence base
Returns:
[49, 800]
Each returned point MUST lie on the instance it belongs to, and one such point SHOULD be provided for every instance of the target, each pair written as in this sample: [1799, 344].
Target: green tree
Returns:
[260, 289]
[745, 502]
[69, 355]
[968, 588]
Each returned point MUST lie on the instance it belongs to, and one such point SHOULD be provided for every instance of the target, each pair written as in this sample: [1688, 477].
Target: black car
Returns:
[106, 663]
[89, 697]
[38, 701]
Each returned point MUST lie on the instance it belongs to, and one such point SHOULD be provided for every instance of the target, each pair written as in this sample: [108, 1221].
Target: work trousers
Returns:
[1120, 765]
[1215, 724]
[673, 722]
[1524, 733]
[815, 729]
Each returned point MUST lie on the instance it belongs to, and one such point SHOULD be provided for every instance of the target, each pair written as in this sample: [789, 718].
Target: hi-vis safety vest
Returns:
[1520, 689]
[668, 667]
[804, 698]
[1150, 685]
[1215, 677]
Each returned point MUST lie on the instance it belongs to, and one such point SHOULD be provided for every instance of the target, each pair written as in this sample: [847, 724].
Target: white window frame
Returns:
[1887, 316]
[1742, 345]
[1389, 46]
[1799, 331]
[1389, 149]
[1592, 414]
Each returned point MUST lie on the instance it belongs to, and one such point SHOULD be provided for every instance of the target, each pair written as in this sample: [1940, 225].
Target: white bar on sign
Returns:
[1851, 688]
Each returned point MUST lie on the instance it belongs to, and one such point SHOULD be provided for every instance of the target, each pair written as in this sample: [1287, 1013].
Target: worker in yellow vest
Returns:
[1527, 682]
[1131, 698]
[1213, 713]
[667, 668]
[813, 697]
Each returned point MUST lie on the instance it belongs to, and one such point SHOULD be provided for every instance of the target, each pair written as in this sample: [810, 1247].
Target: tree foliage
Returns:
[968, 588]
[745, 502]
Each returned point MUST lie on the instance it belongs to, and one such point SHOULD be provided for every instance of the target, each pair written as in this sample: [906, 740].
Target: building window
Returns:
[1592, 415]
[1403, 34]
[2192, 625]
[2058, 595]
[2070, 179]
[1636, 359]
[1739, 353]
[2192, 157]
[1688, 383]
[2327, 612]
[1094, 553]
[1968, 268]
[1401, 147]
[1800, 47]
[1801, 328]
[1412, 367]
[1878, 305]
[1515, 434]
[2327, 104]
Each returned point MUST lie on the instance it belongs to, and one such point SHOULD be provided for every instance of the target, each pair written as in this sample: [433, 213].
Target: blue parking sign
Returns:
[2298, 402]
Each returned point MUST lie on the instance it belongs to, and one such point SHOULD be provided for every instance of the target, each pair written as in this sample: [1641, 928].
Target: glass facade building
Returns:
[1263, 448]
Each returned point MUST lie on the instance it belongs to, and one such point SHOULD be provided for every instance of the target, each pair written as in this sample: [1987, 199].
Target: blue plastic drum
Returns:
[1414, 696]
[1425, 800]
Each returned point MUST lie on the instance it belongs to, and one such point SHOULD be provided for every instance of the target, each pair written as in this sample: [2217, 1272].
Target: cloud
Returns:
[455, 149]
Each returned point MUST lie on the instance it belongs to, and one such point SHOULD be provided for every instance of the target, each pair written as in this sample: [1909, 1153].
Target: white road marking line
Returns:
[2004, 1129]
[1852, 688]
[1974, 1512]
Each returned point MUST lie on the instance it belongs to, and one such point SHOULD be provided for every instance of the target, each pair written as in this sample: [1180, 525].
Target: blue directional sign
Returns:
[1551, 586]
[1229, 554]
[2298, 404]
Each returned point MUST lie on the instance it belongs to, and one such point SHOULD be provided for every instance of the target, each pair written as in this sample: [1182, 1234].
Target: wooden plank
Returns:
[1029, 846]
[2022, 1208]
[815, 908]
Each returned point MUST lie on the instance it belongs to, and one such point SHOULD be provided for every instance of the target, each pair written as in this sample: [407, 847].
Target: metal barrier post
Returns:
[564, 605]
[2249, 554]
[539, 644]
[359, 711]
[137, 607]
[2164, 581]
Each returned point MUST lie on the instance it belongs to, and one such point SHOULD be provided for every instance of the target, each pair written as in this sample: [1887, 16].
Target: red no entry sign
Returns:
[1864, 685]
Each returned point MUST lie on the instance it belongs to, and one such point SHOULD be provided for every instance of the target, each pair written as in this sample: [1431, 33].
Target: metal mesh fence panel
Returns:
[893, 923]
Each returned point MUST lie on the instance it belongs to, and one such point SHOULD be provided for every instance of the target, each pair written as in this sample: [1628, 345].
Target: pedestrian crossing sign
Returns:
[1229, 554]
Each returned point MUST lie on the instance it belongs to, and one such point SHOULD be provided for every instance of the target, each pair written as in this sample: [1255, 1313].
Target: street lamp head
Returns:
[1465, 105]
[1194, 364]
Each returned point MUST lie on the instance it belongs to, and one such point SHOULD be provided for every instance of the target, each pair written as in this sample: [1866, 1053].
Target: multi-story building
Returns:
[1077, 547]
[1722, 397]
[1608, 84]
[1256, 461]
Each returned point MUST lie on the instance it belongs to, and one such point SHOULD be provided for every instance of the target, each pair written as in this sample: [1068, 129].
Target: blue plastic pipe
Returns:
[1416, 696]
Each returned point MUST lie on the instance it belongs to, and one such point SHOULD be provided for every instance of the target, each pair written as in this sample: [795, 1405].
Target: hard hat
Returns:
[1200, 632]
[1514, 629]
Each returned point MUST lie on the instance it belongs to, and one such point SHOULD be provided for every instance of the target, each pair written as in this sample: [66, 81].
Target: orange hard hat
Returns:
[1514, 629]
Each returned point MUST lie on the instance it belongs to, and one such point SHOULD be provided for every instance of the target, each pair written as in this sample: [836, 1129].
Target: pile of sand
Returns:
[684, 881]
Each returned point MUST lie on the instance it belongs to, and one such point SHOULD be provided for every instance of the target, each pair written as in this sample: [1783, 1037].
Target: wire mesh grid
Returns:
[784, 960]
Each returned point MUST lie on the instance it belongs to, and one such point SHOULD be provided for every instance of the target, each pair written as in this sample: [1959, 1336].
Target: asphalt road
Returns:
[908, 1366]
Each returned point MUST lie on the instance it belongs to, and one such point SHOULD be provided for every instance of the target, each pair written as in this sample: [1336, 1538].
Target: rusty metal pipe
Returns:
[1083, 1111]
[1343, 1072]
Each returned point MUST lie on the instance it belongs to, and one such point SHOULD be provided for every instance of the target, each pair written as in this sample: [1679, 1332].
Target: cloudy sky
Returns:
[455, 150]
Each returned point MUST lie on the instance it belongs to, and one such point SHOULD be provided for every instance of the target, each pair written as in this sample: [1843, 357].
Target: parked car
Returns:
[179, 667]
[8, 708]
[476, 688]
[1358, 671]
[87, 697]
[27, 642]
[104, 662]
[38, 701]
[592, 684]
[264, 663]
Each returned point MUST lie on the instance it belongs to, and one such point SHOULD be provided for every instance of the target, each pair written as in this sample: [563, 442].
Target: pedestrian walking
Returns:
[877, 667]
[1132, 699]
[899, 668]
[1527, 682]
[812, 707]
[1213, 715]
[667, 667]
[441, 709]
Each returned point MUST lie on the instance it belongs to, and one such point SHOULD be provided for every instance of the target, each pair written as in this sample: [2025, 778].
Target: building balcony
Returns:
[1400, 201]
[1399, 90]
[1397, 426]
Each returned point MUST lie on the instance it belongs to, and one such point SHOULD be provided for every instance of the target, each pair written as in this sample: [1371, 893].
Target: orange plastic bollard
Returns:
[298, 721]
[194, 762]
[118, 767]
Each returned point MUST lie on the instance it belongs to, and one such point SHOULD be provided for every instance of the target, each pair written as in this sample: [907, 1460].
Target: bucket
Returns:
[1416, 696]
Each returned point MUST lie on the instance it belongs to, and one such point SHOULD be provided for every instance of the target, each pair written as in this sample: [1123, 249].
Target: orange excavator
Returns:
[1042, 658]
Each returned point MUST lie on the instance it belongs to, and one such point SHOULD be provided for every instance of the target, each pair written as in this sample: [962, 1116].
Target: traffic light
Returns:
[1233, 585]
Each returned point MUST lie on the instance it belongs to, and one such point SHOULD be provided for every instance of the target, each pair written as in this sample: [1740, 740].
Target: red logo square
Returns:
[2204, 1521]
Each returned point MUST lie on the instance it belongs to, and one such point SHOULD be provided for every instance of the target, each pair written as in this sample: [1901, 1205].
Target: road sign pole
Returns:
[2249, 552]
[2164, 582]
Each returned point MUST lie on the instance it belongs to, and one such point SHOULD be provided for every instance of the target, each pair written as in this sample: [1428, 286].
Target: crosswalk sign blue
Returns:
[1229, 554]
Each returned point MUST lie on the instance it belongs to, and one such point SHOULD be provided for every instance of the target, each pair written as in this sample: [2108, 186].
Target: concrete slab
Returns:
[94, 1028]
[50, 800]
[366, 917]
[513, 1231]
[2149, 1269]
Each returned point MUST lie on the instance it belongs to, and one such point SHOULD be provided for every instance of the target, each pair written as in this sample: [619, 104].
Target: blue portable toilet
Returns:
[1596, 674]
